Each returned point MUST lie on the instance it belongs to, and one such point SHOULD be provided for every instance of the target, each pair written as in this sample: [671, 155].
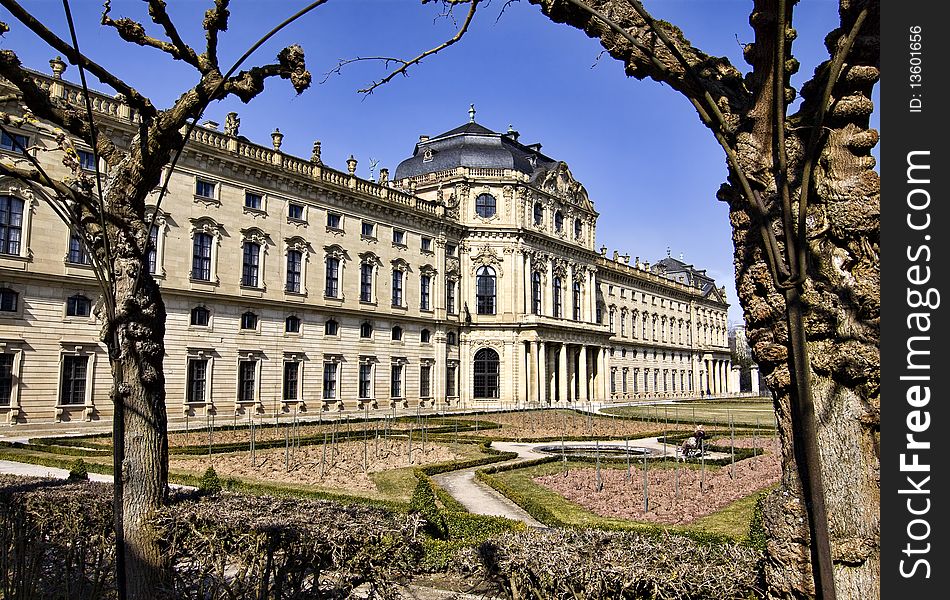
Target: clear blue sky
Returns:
[649, 165]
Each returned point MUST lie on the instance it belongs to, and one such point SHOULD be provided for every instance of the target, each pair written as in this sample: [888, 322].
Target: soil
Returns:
[676, 496]
[552, 424]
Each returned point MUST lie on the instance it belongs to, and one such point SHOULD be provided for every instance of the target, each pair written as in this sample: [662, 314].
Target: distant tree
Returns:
[111, 215]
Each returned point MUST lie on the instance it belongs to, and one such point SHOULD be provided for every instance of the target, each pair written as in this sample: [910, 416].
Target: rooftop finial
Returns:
[667, 251]
[471, 113]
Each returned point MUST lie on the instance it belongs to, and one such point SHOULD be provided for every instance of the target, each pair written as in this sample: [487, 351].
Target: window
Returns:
[368, 230]
[366, 330]
[558, 300]
[366, 380]
[87, 160]
[200, 316]
[450, 389]
[331, 327]
[425, 287]
[333, 277]
[11, 224]
[247, 380]
[205, 188]
[14, 142]
[78, 306]
[197, 379]
[397, 333]
[251, 265]
[399, 237]
[558, 221]
[485, 291]
[425, 381]
[6, 378]
[248, 320]
[253, 200]
[426, 244]
[8, 300]
[485, 374]
[395, 382]
[73, 384]
[366, 282]
[613, 381]
[397, 287]
[578, 229]
[295, 211]
[292, 380]
[77, 250]
[334, 220]
[425, 336]
[623, 324]
[538, 214]
[294, 270]
[450, 296]
[600, 314]
[485, 205]
[201, 257]
[576, 292]
[292, 324]
[152, 255]
[623, 381]
[536, 293]
[450, 249]
[612, 320]
[450, 338]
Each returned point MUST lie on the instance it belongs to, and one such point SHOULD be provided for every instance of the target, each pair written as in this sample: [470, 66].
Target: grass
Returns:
[748, 413]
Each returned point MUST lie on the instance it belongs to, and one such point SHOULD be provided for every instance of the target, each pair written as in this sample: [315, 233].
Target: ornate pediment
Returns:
[559, 182]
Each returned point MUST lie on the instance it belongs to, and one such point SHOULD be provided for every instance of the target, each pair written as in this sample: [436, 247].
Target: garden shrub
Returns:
[210, 483]
[78, 471]
[423, 503]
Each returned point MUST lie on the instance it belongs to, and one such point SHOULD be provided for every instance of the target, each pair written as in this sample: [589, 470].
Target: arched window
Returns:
[78, 306]
[485, 205]
[425, 336]
[536, 293]
[485, 291]
[366, 330]
[558, 301]
[331, 327]
[397, 333]
[8, 300]
[577, 300]
[538, 214]
[485, 374]
[248, 320]
[292, 324]
[558, 221]
[200, 316]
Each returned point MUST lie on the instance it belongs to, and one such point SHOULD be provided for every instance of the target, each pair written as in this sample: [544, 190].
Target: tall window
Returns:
[11, 224]
[485, 374]
[9, 300]
[600, 314]
[366, 282]
[397, 287]
[558, 301]
[73, 384]
[576, 293]
[623, 323]
[538, 214]
[612, 317]
[425, 381]
[558, 221]
[485, 291]
[152, 255]
[247, 380]
[485, 205]
[366, 380]
[329, 380]
[201, 257]
[395, 382]
[251, 265]
[450, 389]
[77, 250]
[6, 378]
[613, 381]
[197, 379]
[294, 270]
[578, 228]
[536, 293]
[623, 380]
[292, 380]
[78, 306]
[450, 296]
[425, 286]
[200, 316]
[333, 277]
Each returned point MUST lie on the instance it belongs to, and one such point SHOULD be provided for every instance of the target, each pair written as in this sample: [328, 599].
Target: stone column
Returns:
[591, 298]
[547, 296]
[542, 373]
[521, 359]
[562, 375]
[734, 379]
[532, 371]
[754, 375]
[582, 374]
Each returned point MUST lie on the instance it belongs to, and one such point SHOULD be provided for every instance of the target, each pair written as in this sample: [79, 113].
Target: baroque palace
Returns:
[470, 278]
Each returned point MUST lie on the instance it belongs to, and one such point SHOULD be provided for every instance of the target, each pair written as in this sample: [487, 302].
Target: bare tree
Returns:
[111, 215]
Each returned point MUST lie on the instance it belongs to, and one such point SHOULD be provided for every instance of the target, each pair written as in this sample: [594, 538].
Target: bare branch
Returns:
[156, 10]
[135, 100]
[215, 21]
[405, 64]
[132, 31]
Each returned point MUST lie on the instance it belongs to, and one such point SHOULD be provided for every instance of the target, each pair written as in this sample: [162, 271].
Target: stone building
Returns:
[470, 278]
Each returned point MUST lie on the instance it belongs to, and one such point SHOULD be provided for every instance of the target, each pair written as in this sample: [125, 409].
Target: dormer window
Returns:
[427, 155]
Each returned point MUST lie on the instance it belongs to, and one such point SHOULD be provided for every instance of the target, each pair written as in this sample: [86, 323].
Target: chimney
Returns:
[423, 138]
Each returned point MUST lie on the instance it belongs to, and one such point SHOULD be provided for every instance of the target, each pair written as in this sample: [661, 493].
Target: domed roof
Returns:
[473, 145]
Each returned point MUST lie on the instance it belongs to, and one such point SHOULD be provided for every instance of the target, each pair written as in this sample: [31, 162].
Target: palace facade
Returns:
[470, 278]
